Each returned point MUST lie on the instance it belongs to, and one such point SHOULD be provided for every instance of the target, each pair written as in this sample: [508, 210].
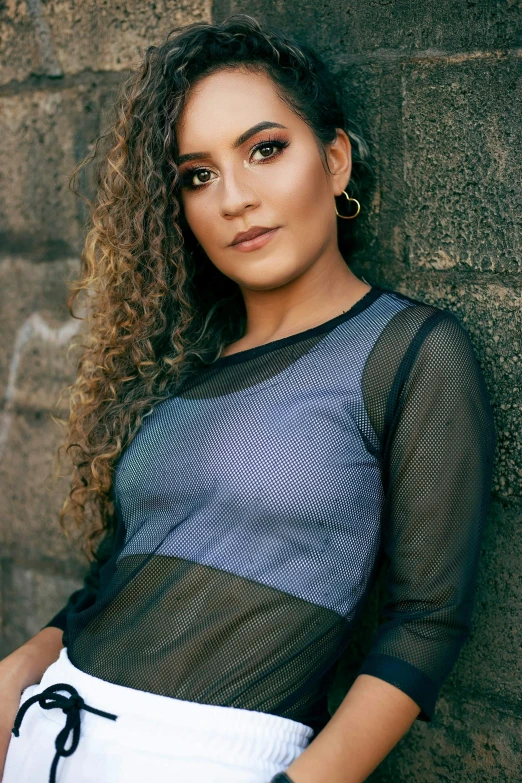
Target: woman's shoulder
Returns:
[414, 332]
[395, 294]
[425, 355]
[412, 313]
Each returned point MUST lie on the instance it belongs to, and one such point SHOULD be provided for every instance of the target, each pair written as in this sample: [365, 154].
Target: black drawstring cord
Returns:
[71, 705]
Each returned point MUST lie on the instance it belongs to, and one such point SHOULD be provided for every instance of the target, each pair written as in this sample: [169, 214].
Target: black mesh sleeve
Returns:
[85, 596]
[439, 442]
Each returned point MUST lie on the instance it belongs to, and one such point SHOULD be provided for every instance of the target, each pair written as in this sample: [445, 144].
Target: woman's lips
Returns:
[257, 242]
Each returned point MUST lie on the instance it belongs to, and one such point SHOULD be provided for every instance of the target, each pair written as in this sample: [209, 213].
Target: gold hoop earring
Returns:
[348, 217]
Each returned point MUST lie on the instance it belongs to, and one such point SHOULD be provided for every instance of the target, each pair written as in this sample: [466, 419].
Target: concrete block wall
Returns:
[436, 90]
[60, 62]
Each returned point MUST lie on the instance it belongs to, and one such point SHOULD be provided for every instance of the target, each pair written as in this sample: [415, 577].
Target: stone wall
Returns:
[60, 65]
[436, 89]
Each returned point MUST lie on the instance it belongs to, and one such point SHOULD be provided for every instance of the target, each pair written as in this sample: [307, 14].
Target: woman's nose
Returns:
[236, 194]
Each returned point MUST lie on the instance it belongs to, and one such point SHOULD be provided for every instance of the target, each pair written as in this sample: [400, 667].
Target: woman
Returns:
[254, 431]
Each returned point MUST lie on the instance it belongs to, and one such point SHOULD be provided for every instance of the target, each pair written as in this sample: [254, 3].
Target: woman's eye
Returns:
[266, 150]
[203, 177]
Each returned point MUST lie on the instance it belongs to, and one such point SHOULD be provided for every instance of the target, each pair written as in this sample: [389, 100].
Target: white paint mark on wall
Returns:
[32, 326]
[43, 36]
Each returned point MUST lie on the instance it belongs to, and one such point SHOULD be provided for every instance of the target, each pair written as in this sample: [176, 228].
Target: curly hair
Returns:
[157, 307]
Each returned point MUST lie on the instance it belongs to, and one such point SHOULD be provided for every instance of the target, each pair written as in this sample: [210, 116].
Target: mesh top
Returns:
[256, 506]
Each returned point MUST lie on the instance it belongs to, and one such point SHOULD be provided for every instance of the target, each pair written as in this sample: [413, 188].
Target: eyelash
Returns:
[189, 173]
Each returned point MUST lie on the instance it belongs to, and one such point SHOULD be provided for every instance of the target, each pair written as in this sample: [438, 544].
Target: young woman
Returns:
[254, 432]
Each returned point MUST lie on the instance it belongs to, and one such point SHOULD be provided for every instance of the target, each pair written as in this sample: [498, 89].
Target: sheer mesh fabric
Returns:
[257, 504]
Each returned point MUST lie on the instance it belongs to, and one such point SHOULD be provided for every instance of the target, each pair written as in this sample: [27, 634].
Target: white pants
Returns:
[154, 739]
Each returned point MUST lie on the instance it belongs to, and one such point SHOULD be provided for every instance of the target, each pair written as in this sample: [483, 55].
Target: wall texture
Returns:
[60, 61]
[435, 88]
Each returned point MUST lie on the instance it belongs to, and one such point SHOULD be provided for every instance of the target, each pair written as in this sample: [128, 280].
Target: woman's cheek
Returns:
[197, 216]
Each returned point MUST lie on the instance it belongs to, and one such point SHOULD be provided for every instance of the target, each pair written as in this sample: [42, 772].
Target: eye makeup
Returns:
[279, 143]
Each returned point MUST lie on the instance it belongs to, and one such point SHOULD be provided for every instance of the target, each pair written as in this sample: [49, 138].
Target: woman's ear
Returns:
[339, 156]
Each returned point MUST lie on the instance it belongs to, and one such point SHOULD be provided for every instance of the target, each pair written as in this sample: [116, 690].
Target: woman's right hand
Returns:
[23, 667]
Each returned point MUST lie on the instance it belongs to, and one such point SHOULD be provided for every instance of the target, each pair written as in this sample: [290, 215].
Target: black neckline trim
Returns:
[249, 353]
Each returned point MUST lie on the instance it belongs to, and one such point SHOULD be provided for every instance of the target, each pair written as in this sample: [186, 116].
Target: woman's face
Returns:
[238, 177]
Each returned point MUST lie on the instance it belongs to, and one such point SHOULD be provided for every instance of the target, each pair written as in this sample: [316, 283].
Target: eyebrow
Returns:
[238, 142]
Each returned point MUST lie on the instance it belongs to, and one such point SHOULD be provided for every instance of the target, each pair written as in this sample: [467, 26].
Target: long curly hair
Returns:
[156, 307]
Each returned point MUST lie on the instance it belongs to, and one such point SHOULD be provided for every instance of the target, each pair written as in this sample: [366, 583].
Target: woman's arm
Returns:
[368, 723]
[23, 667]
[27, 664]
[437, 475]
